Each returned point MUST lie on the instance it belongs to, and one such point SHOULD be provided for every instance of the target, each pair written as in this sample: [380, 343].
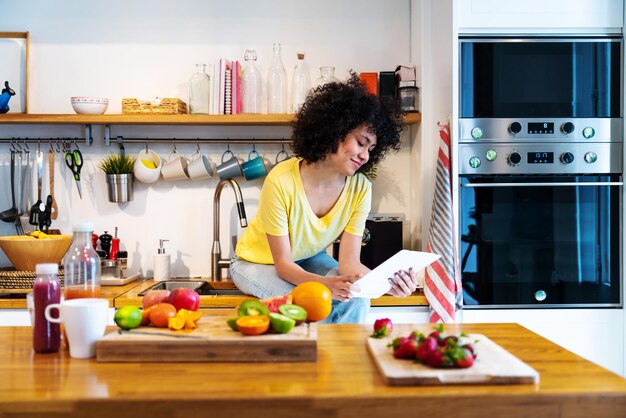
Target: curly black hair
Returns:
[332, 110]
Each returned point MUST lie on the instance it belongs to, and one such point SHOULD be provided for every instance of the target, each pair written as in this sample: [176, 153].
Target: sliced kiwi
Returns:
[295, 312]
[251, 308]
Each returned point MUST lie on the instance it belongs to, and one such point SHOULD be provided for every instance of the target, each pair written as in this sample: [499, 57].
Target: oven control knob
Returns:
[591, 157]
[514, 158]
[567, 158]
[476, 133]
[515, 128]
[588, 132]
[474, 162]
[567, 128]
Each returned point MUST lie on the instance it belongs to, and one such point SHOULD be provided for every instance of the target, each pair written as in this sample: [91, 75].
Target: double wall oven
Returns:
[540, 164]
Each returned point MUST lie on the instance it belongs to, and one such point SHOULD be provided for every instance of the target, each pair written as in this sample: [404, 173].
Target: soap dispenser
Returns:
[161, 263]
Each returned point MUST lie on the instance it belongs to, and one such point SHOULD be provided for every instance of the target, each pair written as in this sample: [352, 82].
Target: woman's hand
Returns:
[342, 286]
[404, 284]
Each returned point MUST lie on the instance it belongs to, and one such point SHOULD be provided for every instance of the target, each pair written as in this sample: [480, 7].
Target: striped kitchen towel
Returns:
[442, 284]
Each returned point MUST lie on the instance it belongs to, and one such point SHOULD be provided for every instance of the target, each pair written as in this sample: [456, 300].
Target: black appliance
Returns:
[540, 162]
[382, 238]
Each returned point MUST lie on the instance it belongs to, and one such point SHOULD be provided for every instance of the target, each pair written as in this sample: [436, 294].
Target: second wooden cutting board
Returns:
[494, 365]
[212, 341]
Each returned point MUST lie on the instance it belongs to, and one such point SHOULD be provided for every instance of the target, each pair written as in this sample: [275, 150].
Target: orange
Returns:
[145, 315]
[253, 324]
[315, 298]
[161, 313]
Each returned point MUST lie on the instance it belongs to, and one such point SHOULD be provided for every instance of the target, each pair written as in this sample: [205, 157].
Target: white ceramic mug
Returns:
[200, 167]
[175, 168]
[142, 168]
[85, 322]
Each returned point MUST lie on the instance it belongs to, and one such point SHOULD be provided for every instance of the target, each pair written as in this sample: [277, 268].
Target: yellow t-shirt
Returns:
[284, 210]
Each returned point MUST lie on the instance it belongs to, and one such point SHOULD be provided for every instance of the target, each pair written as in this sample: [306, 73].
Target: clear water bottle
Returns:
[199, 90]
[276, 84]
[46, 291]
[301, 83]
[252, 84]
[81, 265]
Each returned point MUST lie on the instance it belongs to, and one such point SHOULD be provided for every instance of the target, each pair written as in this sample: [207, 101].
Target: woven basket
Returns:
[167, 106]
[15, 279]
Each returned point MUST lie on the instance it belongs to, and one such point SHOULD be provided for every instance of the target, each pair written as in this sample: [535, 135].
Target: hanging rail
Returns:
[122, 139]
[59, 140]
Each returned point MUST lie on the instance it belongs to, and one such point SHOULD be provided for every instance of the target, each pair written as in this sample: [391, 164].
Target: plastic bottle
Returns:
[301, 83]
[276, 84]
[161, 263]
[252, 84]
[81, 265]
[199, 90]
[46, 290]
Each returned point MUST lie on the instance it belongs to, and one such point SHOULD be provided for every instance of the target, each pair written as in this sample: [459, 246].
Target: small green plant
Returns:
[117, 164]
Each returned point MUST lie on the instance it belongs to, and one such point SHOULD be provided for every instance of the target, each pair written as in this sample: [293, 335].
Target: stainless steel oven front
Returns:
[540, 212]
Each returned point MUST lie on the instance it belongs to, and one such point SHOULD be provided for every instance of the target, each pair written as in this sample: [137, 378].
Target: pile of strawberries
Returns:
[436, 349]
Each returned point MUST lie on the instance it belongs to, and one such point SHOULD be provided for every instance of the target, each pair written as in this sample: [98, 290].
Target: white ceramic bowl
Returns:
[90, 105]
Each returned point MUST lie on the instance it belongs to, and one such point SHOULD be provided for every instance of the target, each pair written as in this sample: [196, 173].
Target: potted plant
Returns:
[119, 176]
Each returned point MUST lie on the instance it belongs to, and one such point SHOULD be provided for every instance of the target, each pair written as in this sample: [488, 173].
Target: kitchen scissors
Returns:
[74, 161]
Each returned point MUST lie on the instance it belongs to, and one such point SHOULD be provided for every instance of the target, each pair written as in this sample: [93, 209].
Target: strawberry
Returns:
[382, 328]
[436, 358]
[465, 360]
[426, 347]
[405, 348]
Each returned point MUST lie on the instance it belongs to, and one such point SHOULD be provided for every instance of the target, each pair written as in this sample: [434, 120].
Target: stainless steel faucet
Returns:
[217, 262]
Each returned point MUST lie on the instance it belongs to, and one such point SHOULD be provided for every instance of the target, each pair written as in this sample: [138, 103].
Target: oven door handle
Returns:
[560, 184]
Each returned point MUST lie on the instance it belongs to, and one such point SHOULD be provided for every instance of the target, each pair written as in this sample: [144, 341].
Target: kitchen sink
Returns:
[201, 286]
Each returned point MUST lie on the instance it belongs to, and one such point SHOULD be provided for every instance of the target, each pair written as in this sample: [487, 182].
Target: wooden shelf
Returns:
[119, 119]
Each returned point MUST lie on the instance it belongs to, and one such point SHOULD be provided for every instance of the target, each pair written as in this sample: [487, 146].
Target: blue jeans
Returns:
[262, 281]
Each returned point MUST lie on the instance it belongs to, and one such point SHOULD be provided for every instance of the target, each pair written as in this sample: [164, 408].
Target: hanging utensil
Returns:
[12, 213]
[18, 181]
[55, 208]
[35, 209]
[74, 161]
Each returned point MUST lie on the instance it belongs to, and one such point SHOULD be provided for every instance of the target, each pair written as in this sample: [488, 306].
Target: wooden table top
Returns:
[344, 382]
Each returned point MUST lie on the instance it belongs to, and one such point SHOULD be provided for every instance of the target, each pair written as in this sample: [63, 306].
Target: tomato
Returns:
[315, 298]
[161, 313]
[253, 324]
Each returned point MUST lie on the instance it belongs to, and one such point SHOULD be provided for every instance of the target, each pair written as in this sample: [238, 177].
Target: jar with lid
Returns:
[276, 84]
[301, 83]
[199, 90]
[81, 265]
[252, 84]
[327, 75]
[46, 291]
[408, 98]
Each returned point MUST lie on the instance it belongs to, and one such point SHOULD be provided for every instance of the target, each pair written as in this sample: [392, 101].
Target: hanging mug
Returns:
[175, 168]
[230, 168]
[200, 167]
[282, 155]
[147, 166]
[254, 168]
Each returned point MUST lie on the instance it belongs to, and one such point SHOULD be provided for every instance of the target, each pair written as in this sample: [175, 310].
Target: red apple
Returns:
[152, 297]
[183, 298]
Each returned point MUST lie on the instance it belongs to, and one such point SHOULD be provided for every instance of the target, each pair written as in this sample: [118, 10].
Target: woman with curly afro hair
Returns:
[319, 195]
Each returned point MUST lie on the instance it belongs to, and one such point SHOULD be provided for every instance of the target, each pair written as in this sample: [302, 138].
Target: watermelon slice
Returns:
[274, 302]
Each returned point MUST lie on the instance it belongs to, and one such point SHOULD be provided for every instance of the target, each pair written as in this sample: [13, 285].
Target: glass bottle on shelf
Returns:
[327, 75]
[199, 90]
[81, 265]
[46, 291]
[301, 83]
[252, 84]
[276, 84]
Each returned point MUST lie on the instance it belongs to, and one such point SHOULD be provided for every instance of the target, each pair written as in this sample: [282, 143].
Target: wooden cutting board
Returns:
[494, 365]
[212, 341]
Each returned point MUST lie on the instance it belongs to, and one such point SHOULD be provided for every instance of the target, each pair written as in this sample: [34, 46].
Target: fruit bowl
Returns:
[24, 251]
[90, 105]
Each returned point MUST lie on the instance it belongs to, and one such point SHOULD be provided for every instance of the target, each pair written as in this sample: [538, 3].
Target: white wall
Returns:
[145, 48]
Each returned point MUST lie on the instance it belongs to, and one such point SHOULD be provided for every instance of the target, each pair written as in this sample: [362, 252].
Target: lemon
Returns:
[128, 317]
[148, 164]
